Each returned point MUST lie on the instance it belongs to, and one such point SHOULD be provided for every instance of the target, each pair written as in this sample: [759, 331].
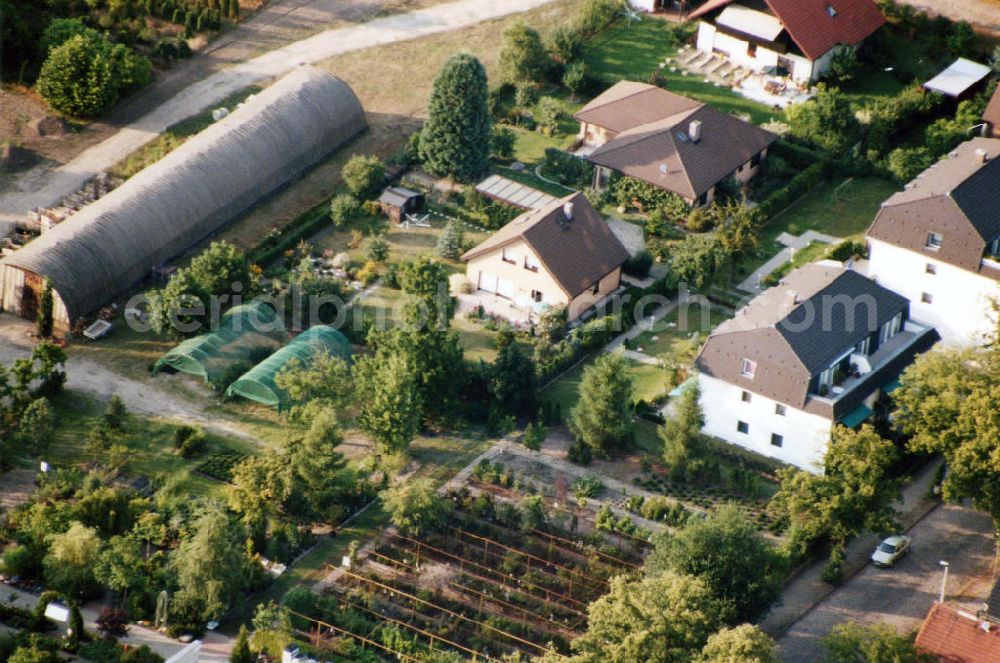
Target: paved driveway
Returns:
[902, 595]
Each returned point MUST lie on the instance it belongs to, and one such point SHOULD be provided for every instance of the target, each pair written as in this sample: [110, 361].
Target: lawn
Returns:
[148, 444]
[842, 208]
[648, 382]
[634, 51]
[677, 329]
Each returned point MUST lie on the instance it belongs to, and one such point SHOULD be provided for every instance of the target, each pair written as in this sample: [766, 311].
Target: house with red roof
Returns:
[799, 37]
[952, 635]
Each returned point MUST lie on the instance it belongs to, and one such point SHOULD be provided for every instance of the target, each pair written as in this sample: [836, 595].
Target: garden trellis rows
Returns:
[499, 590]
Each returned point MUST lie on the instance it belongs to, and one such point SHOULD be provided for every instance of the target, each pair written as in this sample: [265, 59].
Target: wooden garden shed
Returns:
[396, 202]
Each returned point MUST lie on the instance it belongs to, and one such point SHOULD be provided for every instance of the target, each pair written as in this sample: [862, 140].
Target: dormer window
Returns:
[994, 249]
[933, 241]
[748, 368]
[831, 11]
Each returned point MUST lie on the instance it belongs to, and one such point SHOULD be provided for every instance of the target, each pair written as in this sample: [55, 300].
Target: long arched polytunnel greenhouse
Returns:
[240, 338]
[258, 383]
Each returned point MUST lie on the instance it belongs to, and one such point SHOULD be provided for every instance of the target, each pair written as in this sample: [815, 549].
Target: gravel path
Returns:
[84, 375]
[38, 187]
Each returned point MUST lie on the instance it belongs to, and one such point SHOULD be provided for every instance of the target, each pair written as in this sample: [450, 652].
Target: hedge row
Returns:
[799, 185]
[301, 227]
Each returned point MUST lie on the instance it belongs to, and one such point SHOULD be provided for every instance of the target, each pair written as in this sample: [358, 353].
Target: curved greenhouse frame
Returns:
[258, 383]
[194, 355]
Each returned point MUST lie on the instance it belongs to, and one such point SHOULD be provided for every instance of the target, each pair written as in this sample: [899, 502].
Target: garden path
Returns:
[40, 188]
[791, 244]
[90, 377]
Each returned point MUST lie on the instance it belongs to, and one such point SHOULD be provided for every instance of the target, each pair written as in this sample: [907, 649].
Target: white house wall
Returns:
[960, 307]
[806, 436]
[710, 40]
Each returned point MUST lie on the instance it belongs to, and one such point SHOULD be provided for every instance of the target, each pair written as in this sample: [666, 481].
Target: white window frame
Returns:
[934, 241]
[748, 368]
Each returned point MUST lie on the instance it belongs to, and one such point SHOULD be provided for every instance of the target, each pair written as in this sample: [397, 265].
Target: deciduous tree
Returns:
[391, 406]
[877, 643]
[210, 563]
[661, 618]
[727, 552]
[827, 120]
[740, 644]
[856, 494]
[523, 57]
[415, 506]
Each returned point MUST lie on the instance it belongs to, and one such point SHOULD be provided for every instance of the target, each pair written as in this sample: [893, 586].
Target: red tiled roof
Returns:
[810, 25]
[952, 636]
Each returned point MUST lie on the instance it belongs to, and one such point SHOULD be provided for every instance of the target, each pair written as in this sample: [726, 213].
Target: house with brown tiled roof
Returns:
[952, 635]
[937, 243]
[670, 141]
[814, 351]
[991, 116]
[798, 36]
[561, 255]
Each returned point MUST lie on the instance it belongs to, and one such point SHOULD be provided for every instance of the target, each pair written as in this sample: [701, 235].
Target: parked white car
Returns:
[889, 551]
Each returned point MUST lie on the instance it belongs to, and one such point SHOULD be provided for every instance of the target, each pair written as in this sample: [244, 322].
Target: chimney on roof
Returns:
[981, 155]
[793, 298]
[568, 211]
[694, 131]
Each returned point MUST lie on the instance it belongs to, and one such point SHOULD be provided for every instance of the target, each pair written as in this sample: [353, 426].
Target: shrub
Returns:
[113, 623]
[549, 110]
[343, 208]
[595, 15]
[846, 250]
[525, 95]
[799, 185]
[523, 58]
[368, 272]
[189, 440]
[587, 486]
[566, 168]
[364, 175]
[575, 78]
[377, 249]
[564, 44]
[905, 163]
[503, 143]
[639, 264]
[534, 435]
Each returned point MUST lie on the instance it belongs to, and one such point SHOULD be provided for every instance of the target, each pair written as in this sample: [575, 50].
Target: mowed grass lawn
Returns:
[840, 207]
[684, 324]
[648, 382]
[633, 51]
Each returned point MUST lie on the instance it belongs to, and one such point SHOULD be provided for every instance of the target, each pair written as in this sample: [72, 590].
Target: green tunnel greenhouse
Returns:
[238, 339]
[258, 383]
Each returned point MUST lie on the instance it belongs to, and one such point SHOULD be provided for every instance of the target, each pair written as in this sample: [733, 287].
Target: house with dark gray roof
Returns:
[814, 351]
[670, 141]
[561, 255]
[937, 243]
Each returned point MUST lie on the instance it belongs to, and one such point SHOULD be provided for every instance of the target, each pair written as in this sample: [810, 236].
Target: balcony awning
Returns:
[750, 22]
[857, 416]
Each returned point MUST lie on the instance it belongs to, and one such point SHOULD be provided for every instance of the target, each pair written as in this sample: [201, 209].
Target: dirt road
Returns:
[42, 187]
[983, 14]
[88, 377]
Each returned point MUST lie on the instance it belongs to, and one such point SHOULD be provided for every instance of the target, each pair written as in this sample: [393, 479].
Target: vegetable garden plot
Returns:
[475, 586]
